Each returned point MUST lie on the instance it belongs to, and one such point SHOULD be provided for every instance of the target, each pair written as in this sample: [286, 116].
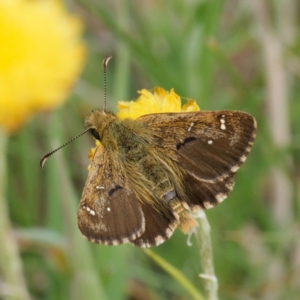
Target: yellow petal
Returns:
[171, 102]
[159, 101]
[191, 105]
[147, 103]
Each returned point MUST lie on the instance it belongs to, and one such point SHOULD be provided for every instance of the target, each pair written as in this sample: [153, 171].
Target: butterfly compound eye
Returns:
[95, 134]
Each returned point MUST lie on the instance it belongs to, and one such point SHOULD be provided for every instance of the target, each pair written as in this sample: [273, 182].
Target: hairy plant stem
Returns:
[202, 233]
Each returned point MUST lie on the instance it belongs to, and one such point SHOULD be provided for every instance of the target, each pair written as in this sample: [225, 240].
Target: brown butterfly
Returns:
[149, 173]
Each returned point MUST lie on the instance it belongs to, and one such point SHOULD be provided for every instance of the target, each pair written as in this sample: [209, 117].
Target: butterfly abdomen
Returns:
[186, 222]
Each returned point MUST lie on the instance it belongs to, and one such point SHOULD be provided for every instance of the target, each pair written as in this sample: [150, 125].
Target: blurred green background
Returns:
[232, 54]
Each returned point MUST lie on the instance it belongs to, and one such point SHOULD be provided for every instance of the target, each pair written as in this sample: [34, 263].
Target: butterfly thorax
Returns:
[144, 169]
[129, 146]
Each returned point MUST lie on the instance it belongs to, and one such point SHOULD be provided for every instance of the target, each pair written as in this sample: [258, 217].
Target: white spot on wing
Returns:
[220, 197]
[192, 124]
[209, 142]
[159, 240]
[92, 212]
[234, 168]
[243, 158]
[100, 187]
[108, 209]
[207, 205]
[222, 120]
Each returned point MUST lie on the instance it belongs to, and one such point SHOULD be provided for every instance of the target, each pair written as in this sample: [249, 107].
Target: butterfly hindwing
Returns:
[108, 213]
[159, 228]
[203, 194]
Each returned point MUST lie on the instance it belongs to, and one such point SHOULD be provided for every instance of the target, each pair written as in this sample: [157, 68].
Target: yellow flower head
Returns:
[147, 103]
[41, 56]
[159, 101]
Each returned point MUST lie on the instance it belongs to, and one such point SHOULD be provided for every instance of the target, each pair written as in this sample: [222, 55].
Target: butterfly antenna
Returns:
[45, 157]
[104, 66]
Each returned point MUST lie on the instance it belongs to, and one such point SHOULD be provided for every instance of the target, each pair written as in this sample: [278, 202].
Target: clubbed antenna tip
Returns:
[104, 65]
[44, 158]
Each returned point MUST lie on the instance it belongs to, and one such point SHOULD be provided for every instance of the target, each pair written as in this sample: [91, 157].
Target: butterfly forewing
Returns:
[108, 213]
[208, 144]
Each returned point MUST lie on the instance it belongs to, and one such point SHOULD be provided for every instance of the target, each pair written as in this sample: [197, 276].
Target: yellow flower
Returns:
[147, 103]
[41, 56]
[92, 152]
[159, 101]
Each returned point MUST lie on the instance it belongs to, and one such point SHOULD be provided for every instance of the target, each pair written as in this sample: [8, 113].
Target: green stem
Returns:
[202, 233]
[12, 281]
[175, 273]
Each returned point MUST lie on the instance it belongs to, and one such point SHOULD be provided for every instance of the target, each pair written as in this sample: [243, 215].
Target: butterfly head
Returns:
[97, 121]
